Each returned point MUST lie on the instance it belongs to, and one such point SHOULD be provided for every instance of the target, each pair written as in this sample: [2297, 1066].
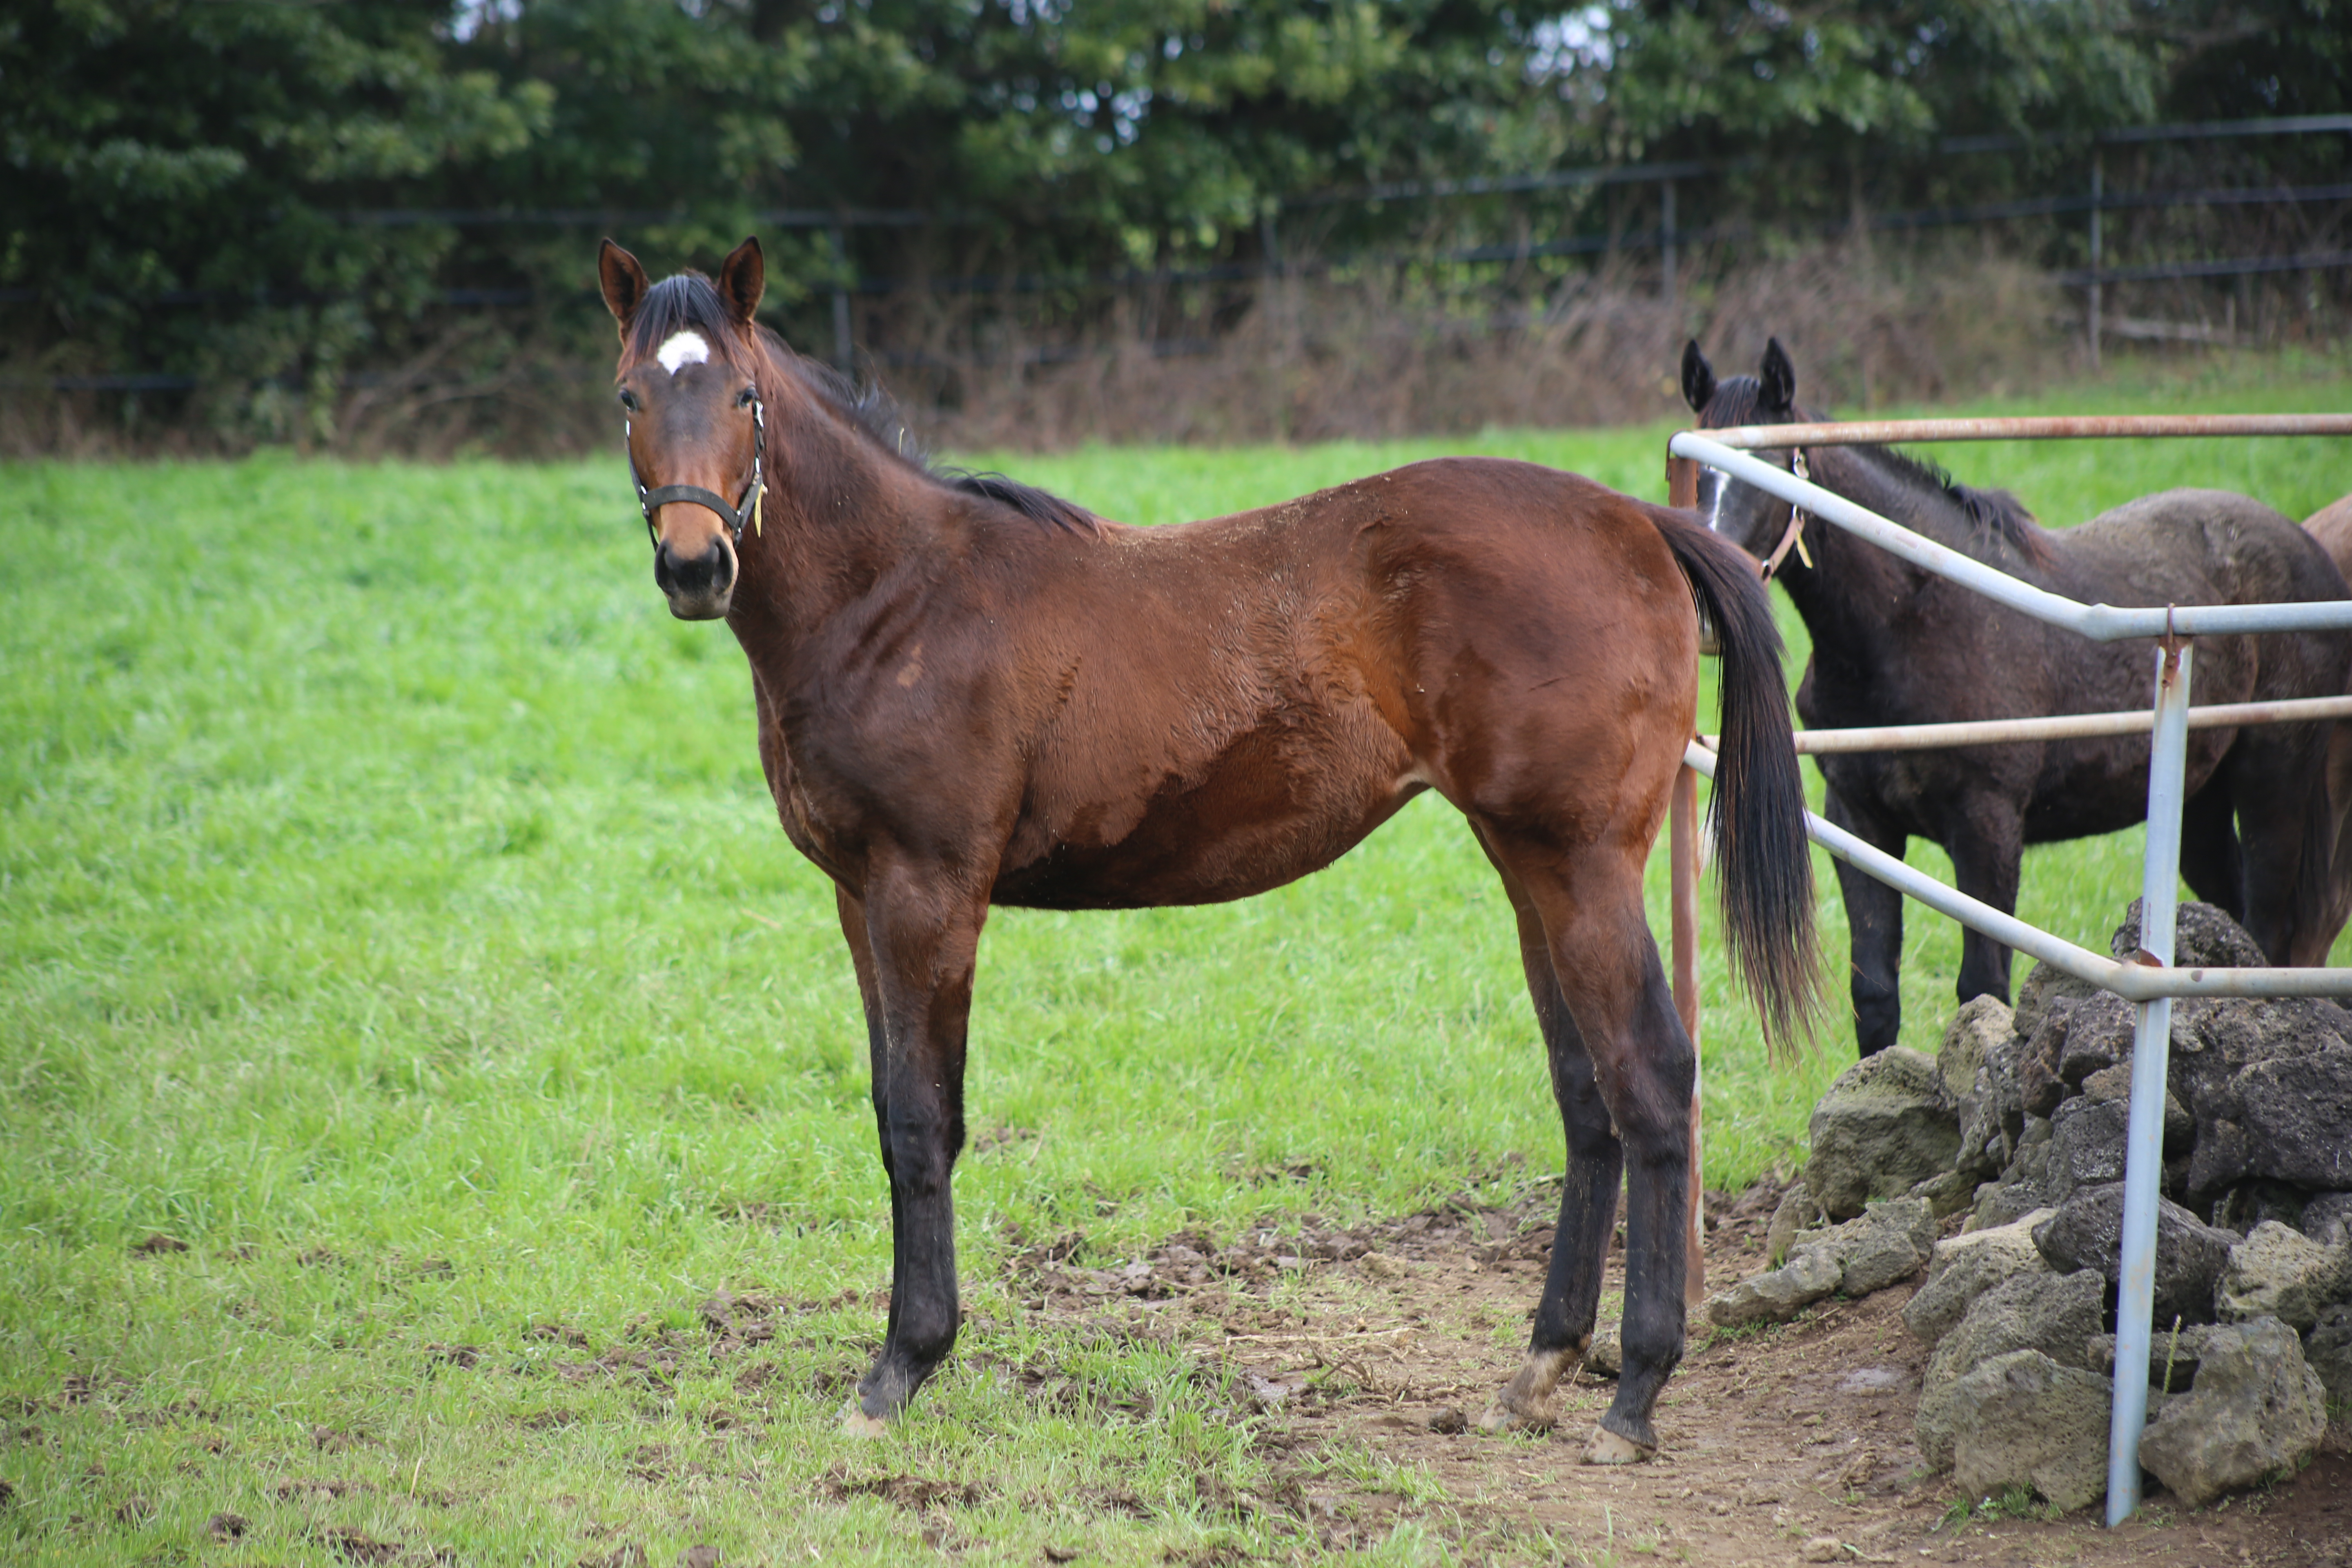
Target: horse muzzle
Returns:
[698, 587]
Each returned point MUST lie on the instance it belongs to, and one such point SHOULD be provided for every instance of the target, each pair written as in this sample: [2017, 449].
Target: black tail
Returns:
[1758, 812]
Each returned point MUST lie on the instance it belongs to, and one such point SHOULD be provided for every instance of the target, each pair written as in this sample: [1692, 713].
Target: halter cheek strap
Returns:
[1793, 538]
[746, 509]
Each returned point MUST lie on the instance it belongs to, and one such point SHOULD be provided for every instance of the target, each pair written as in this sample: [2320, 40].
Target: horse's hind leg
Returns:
[1605, 966]
[2210, 861]
[1588, 1200]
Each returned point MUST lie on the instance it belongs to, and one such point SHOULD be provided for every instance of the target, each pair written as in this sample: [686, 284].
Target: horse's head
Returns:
[1754, 520]
[694, 421]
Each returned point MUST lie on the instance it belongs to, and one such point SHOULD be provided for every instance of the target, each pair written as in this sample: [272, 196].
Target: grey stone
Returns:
[2173, 1354]
[2086, 1144]
[1777, 1295]
[1796, 1211]
[2328, 1349]
[2327, 1218]
[1980, 1025]
[2203, 937]
[2022, 1419]
[1889, 1243]
[2301, 1101]
[2086, 1233]
[2098, 1036]
[2280, 1273]
[1884, 1125]
[2248, 1204]
[2115, 1083]
[2257, 1410]
[1947, 1193]
[2039, 1087]
[1963, 1268]
[2053, 1313]
[2045, 988]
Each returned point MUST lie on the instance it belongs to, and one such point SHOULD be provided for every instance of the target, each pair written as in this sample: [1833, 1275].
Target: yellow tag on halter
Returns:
[1801, 554]
[763, 490]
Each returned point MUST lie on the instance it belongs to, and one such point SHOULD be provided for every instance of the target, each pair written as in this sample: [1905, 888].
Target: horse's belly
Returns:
[1269, 812]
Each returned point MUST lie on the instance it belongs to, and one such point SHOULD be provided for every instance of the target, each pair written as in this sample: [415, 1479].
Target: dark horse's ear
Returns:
[1698, 378]
[742, 279]
[624, 283]
[1779, 389]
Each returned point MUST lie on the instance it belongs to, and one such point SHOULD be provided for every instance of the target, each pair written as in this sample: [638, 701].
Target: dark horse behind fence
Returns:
[970, 692]
[1896, 645]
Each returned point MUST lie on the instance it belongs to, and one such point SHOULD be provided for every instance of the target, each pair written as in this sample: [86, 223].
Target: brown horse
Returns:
[970, 692]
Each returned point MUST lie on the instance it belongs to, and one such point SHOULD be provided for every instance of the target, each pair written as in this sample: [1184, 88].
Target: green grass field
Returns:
[390, 910]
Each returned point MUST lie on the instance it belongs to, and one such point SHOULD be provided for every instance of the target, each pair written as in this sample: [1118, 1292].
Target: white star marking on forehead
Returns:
[683, 349]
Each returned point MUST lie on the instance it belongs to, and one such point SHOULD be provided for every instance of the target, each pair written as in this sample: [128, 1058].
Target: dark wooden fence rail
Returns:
[1663, 238]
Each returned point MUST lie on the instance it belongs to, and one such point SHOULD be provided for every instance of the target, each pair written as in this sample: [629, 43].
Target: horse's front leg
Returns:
[1873, 922]
[1987, 844]
[921, 939]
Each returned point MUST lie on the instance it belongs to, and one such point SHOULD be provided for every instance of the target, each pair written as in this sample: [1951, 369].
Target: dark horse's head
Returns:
[1754, 520]
[689, 388]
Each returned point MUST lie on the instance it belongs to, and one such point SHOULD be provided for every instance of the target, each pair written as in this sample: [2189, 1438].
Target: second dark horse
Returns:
[1896, 645]
[971, 693]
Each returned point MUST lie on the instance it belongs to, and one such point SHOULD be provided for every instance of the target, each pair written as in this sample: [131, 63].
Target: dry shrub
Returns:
[1366, 351]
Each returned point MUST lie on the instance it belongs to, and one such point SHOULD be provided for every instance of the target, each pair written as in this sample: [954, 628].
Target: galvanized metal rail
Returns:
[2148, 981]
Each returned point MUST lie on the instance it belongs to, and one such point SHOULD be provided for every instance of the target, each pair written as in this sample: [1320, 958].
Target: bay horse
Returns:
[1897, 645]
[970, 692]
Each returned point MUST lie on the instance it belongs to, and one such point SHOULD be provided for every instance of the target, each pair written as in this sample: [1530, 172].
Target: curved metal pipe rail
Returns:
[2149, 982]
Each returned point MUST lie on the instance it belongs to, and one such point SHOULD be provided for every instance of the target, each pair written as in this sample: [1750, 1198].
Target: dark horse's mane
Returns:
[687, 302]
[1996, 514]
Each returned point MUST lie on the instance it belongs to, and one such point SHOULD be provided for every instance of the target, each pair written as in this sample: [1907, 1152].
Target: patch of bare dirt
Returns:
[1785, 1446]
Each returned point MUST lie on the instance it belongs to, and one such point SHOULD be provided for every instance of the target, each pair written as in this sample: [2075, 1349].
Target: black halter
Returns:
[744, 510]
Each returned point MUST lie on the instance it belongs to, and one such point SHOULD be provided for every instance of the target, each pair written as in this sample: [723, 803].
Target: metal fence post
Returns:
[2151, 1048]
[1671, 285]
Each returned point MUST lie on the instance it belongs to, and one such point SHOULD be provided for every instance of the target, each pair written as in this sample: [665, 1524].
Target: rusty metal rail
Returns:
[2063, 427]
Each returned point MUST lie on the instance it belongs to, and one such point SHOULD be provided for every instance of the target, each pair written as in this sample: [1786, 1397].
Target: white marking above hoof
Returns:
[855, 1422]
[683, 349]
[1608, 1449]
[1502, 1417]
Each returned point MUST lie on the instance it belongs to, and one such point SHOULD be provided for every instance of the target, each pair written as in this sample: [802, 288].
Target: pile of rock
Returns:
[2020, 1119]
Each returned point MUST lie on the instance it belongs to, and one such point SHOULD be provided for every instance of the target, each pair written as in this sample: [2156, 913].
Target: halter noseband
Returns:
[744, 510]
[1793, 537]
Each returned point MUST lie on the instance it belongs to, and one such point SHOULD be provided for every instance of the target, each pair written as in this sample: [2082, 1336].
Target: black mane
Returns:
[875, 414]
[1738, 401]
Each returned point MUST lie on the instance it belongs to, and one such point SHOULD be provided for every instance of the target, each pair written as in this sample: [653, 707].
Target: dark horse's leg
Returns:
[920, 940]
[1605, 966]
[1588, 1199]
[2210, 861]
[2276, 779]
[1873, 920]
[1985, 836]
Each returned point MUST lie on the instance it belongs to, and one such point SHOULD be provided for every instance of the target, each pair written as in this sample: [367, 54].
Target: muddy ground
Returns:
[1787, 1445]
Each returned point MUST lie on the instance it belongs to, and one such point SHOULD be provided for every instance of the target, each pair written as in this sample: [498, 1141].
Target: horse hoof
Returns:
[1503, 1417]
[1608, 1449]
[855, 1422]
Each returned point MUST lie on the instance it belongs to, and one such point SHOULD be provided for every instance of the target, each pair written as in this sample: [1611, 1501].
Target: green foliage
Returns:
[198, 186]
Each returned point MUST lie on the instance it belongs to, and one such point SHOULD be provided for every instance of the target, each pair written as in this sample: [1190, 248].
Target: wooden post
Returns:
[2098, 192]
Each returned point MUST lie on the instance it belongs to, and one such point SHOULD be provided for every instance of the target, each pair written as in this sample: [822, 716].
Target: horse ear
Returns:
[624, 283]
[1698, 378]
[1779, 390]
[742, 279]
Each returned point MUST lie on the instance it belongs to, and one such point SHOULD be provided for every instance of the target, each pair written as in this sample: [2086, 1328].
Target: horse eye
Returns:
[628, 400]
[743, 398]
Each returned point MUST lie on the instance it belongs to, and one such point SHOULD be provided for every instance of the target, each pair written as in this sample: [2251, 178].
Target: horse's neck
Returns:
[842, 516]
[1848, 595]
